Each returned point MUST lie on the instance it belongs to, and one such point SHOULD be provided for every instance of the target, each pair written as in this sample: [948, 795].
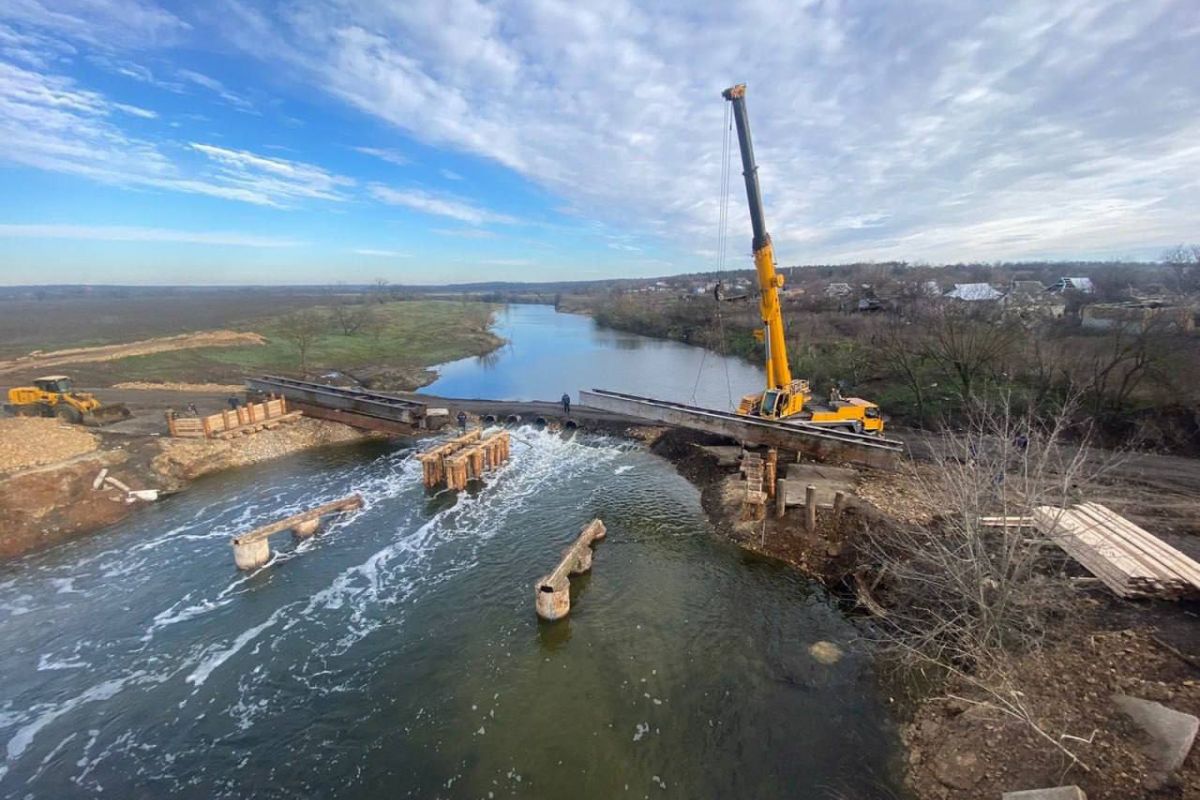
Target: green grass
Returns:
[407, 335]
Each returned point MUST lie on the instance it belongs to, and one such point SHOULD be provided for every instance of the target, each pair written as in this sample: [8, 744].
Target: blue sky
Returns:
[232, 141]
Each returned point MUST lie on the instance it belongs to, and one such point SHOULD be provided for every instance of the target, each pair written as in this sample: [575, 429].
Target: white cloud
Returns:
[391, 156]
[49, 123]
[439, 205]
[103, 24]
[136, 111]
[216, 87]
[371, 251]
[123, 233]
[450, 175]
[277, 180]
[899, 130]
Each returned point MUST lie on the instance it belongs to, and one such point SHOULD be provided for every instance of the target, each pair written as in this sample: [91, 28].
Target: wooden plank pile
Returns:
[232, 422]
[1129, 560]
[463, 459]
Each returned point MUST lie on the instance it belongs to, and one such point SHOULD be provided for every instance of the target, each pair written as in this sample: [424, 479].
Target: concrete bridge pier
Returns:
[305, 529]
[552, 594]
[252, 554]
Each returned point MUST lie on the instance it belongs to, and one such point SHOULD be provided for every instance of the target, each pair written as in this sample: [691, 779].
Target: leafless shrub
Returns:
[965, 597]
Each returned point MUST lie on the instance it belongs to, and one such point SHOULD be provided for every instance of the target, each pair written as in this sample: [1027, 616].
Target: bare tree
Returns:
[969, 345]
[899, 349]
[1184, 263]
[967, 598]
[350, 318]
[301, 329]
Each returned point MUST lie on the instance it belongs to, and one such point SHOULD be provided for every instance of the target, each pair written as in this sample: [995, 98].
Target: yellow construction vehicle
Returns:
[784, 398]
[52, 396]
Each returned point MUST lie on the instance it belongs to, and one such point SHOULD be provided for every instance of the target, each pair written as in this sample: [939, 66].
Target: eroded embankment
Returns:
[47, 492]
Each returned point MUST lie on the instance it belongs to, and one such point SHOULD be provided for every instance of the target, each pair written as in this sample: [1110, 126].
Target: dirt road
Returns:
[42, 361]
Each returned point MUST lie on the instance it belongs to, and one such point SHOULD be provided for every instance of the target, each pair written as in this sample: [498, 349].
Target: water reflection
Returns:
[549, 353]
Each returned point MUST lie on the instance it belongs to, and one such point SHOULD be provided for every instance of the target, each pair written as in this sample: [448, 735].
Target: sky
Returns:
[253, 141]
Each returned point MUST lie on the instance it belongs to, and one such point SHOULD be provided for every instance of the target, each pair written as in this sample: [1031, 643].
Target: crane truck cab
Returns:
[796, 404]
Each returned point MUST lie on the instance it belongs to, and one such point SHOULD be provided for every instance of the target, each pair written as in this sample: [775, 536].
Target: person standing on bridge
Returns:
[566, 403]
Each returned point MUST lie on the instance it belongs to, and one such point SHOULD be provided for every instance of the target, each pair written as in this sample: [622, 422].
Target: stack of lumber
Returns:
[1129, 560]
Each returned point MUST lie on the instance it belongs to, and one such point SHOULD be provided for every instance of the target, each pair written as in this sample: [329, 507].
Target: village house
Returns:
[974, 292]
[1081, 285]
[1138, 317]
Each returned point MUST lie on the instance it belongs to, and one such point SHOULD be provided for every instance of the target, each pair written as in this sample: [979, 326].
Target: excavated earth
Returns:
[47, 472]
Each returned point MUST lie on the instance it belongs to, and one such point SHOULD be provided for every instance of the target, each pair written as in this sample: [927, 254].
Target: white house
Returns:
[1083, 285]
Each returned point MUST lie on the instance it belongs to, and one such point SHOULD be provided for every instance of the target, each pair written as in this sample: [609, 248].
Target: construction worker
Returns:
[462, 421]
[566, 404]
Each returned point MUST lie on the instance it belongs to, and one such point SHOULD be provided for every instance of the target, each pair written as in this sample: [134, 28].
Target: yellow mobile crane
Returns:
[785, 397]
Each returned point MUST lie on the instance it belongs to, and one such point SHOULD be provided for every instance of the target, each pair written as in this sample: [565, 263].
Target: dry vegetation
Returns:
[926, 360]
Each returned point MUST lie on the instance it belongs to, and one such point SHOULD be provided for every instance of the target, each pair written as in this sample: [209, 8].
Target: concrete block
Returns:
[1171, 732]
[1057, 793]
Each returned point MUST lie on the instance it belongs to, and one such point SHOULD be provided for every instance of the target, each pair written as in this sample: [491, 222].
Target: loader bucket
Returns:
[107, 415]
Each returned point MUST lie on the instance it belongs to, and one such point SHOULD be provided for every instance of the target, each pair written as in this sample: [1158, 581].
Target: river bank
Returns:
[45, 504]
[962, 740]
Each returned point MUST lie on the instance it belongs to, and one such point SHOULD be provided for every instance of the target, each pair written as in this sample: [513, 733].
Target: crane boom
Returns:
[779, 373]
[784, 396]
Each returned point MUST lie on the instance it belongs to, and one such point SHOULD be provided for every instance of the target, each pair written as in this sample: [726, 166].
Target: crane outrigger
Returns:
[785, 397]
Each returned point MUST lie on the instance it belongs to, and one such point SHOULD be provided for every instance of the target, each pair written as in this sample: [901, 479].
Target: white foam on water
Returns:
[46, 662]
[347, 610]
[622, 469]
[101, 691]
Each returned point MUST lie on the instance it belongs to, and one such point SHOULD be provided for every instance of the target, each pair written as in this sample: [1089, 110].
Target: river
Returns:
[397, 654]
[547, 353]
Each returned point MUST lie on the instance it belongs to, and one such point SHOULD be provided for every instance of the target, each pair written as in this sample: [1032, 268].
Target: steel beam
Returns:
[821, 444]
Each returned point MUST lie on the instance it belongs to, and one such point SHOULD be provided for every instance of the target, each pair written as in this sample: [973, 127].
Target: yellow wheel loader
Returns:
[52, 396]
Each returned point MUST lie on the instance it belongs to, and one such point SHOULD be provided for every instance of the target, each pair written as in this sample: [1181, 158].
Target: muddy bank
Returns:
[961, 742]
[46, 504]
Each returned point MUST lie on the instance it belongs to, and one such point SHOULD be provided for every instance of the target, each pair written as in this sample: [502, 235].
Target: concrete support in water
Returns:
[306, 529]
[780, 497]
[552, 594]
[252, 550]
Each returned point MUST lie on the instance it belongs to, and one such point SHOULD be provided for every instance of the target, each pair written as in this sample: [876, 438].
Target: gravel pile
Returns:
[32, 441]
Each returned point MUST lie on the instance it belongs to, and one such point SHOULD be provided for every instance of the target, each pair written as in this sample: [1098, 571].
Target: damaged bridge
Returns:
[820, 443]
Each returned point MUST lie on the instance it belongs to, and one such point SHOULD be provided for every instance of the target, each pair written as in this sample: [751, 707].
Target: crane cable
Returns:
[722, 251]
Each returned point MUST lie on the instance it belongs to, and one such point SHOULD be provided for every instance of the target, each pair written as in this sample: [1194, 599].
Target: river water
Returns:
[548, 353]
[397, 653]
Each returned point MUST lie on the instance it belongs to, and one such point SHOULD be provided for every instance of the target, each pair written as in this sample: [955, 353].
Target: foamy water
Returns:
[397, 654]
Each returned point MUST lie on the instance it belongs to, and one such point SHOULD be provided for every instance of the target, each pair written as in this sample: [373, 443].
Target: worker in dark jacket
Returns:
[566, 401]
[462, 421]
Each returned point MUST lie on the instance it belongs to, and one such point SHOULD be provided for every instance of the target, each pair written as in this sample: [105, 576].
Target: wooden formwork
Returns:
[754, 506]
[249, 418]
[463, 459]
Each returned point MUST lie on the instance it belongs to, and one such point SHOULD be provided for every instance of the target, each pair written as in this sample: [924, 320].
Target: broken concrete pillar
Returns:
[251, 554]
[251, 550]
[552, 594]
[303, 530]
[780, 497]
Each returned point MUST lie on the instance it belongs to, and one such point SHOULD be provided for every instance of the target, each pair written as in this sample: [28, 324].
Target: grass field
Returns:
[402, 339]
